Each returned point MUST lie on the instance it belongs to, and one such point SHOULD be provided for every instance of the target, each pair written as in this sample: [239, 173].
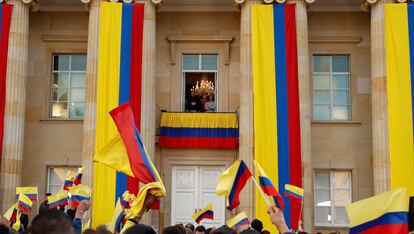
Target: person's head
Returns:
[224, 230]
[89, 231]
[190, 226]
[208, 230]
[249, 231]
[200, 229]
[265, 232]
[24, 220]
[181, 227]
[52, 221]
[172, 230]
[140, 229]
[46, 195]
[257, 225]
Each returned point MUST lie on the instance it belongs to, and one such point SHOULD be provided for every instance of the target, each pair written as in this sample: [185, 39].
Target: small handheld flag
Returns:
[206, 213]
[11, 213]
[119, 214]
[391, 216]
[30, 192]
[79, 193]
[267, 186]
[78, 177]
[68, 180]
[58, 199]
[293, 191]
[238, 220]
[16, 225]
[232, 182]
[24, 204]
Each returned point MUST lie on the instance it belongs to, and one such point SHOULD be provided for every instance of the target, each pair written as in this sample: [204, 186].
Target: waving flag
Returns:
[232, 182]
[268, 187]
[58, 199]
[238, 220]
[30, 192]
[206, 213]
[390, 217]
[24, 204]
[119, 214]
[16, 225]
[79, 193]
[293, 191]
[68, 180]
[78, 177]
[11, 213]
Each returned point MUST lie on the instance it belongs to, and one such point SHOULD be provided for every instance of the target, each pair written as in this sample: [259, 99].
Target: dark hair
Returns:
[224, 230]
[257, 225]
[200, 228]
[190, 226]
[249, 231]
[51, 222]
[265, 232]
[172, 230]
[48, 194]
[181, 228]
[140, 229]
[89, 231]
[209, 230]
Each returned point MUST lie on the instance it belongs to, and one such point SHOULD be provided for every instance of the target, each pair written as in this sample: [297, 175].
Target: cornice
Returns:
[273, 1]
[33, 4]
[156, 2]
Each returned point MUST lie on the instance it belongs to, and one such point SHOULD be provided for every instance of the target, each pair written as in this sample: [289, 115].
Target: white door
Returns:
[193, 187]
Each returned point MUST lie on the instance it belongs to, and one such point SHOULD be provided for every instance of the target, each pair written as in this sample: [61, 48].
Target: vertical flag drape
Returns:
[276, 103]
[5, 18]
[119, 81]
[399, 45]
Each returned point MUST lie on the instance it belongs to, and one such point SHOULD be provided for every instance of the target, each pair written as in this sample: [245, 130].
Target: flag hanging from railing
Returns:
[276, 103]
[119, 81]
[5, 18]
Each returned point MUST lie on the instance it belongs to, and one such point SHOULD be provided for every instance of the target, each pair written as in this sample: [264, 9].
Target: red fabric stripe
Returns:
[4, 44]
[136, 76]
[388, 229]
[241, 182]
[293, 109]
[199, 142]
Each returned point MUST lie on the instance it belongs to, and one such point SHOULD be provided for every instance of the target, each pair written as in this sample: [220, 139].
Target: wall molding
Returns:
[64, 38]
[351, 40]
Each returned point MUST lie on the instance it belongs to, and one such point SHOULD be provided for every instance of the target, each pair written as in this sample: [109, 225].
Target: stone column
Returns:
[246, 131]
[11, 163]
[380, 142]
[89, 121]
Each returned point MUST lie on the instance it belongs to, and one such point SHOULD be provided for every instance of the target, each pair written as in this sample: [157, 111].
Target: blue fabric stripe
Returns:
[410, 9]
[243, 221]
[79, 198]
[58, 202]
[124, 81]
[201, 216]
[143, 155]
[118, 221]
[265, 181]
[199, 132]
[387, 218]
[240, 171]
[281, 102]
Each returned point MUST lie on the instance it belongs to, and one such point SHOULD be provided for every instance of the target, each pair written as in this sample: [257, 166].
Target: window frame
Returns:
[331, 89]
[48, 171]
[332, 196]
[69, 72]
[183, 72]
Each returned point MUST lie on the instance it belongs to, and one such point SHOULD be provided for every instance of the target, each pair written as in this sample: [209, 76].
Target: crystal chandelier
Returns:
[205, 87]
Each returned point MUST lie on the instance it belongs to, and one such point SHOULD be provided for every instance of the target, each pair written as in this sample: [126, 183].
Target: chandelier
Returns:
[205, 87]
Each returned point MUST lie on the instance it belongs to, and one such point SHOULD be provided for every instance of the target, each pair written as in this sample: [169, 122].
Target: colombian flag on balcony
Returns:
[399, 49]
[5, 18]
[276, 104]
[384, 213]
[206, 213]
[199, 130]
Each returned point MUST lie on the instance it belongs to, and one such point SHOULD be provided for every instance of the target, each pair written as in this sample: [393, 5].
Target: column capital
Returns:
[33, 4]
[272, 1]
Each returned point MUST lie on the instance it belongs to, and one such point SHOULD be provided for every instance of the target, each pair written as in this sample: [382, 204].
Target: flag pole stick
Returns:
[261, 191]
[300, 216]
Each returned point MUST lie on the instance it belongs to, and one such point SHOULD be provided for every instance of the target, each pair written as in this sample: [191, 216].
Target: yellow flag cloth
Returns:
[115, 224]
[24, 204]
[10, 212]
[16, 225]
[238, 220]
[30, 192]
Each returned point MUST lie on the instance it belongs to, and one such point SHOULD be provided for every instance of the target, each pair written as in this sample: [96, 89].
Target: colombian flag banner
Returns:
[119, 81]
[399, 48]
[199, 130]
[5, 18]
[391, 217]
[276, 104]
[30, 192]
[206, 213]
[238, 220]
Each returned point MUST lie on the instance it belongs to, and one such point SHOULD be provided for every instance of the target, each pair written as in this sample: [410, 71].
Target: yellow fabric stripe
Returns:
[107, 99]
[199, 120]
[265, 125]
[400, 120]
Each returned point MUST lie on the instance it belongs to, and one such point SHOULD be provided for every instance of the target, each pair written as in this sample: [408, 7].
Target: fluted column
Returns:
[89, 122]
[380, 142]
[246, 131]
[11, 163]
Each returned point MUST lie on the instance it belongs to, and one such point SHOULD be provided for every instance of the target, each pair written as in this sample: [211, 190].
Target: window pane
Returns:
[340, 64]
[209, 62]
[340, 113]
[78, 62]
[77, 109]
[57, 176]
[190, 62]
[60, 79]
[77, 95]
[340, 97]
[340, 81]
[321, 112]
[59, 109]
[321, 97]
[321, 82]
[61, 62]
[340, 216]
[342, 197]
[78, 80]
[322, 180]
[60, 94]
[323, 215]
[342, 179]
[322, 197]
[321, 64]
